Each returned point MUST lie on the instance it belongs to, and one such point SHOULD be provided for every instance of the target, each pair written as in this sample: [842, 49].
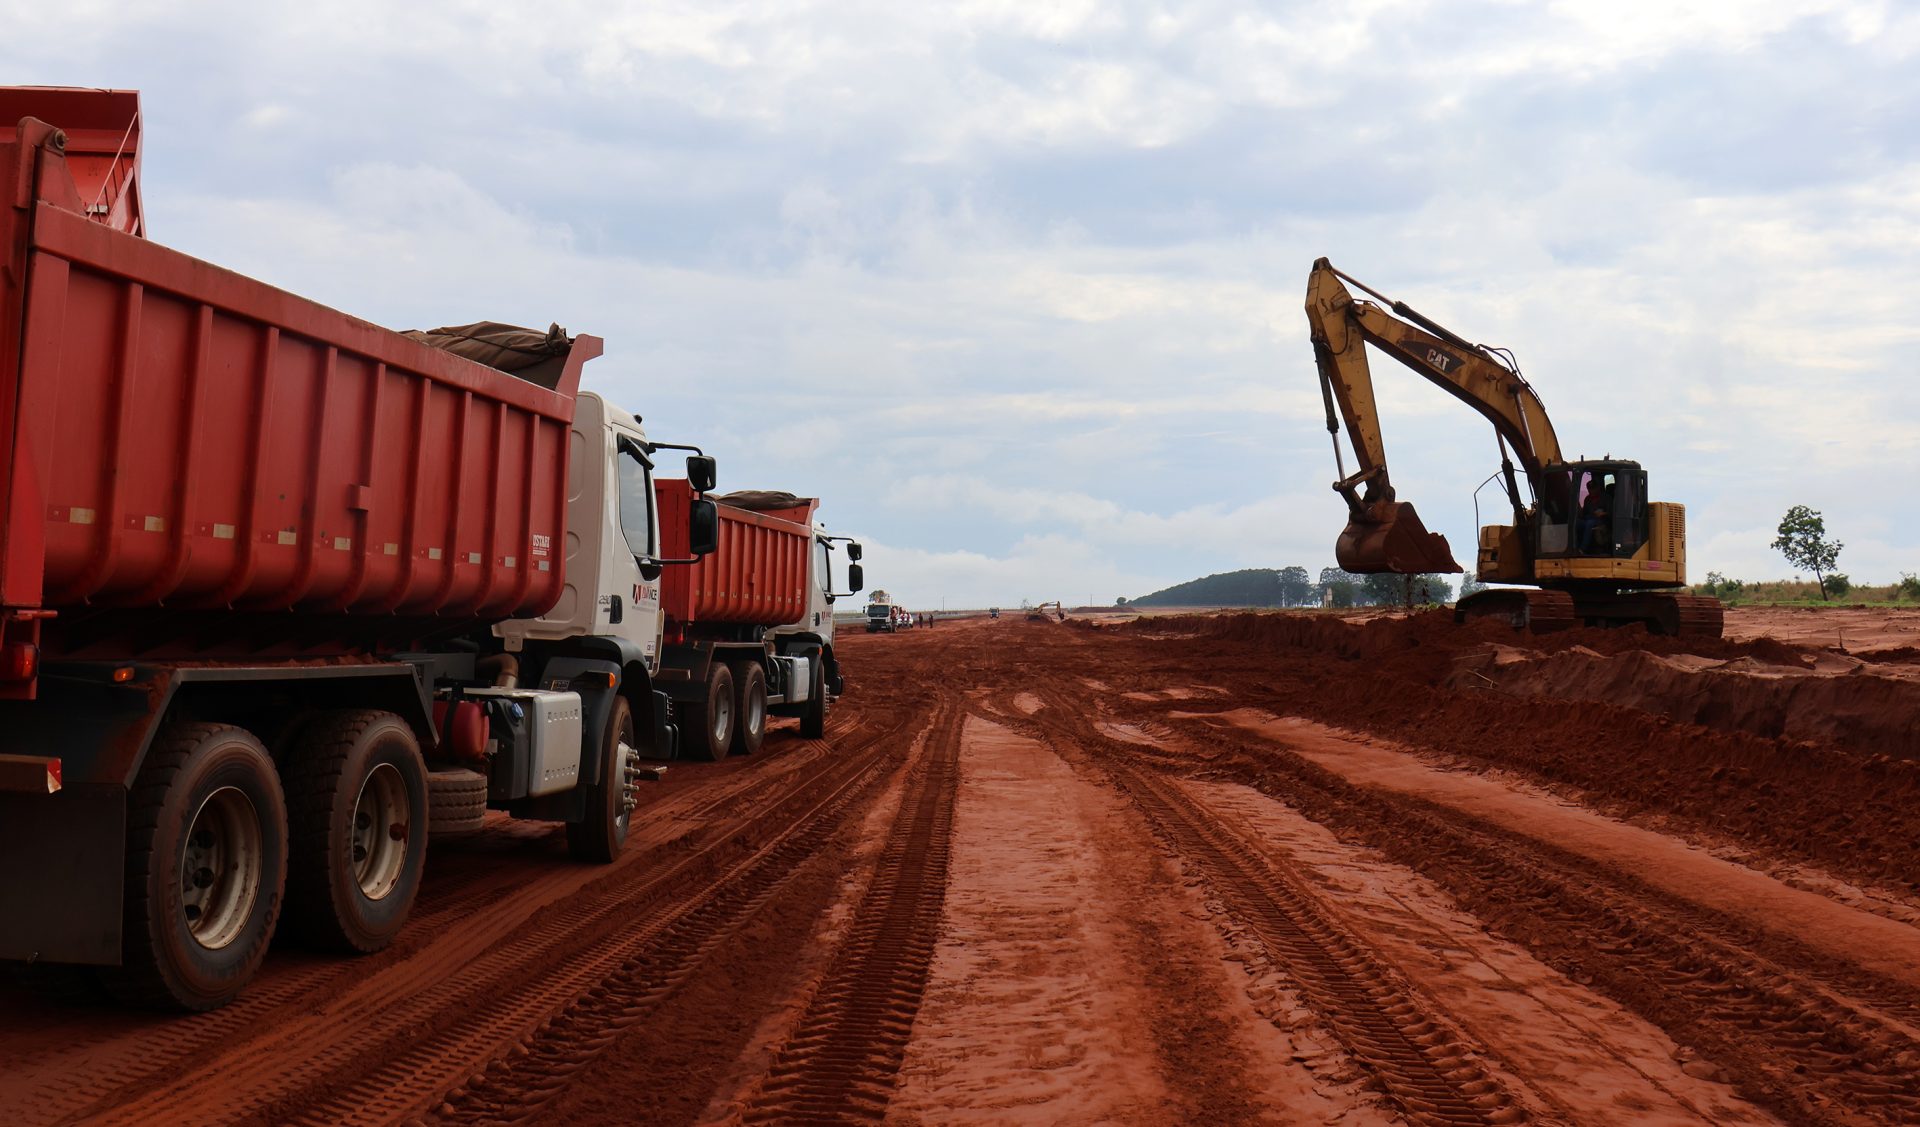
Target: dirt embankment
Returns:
[1857, 711]
[1736, 739]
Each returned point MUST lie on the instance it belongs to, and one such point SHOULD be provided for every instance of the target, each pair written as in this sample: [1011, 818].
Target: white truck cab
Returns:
[612, 544]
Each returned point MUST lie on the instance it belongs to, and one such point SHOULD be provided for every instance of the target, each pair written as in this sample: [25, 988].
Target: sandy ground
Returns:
[1187, 869]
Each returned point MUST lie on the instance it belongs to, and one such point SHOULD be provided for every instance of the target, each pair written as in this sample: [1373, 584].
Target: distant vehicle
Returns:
[993, 612]
[1039, 612]
[880, 613]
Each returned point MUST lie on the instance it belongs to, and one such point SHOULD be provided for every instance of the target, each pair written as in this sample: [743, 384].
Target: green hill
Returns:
[1293, 587]
[1250, 587]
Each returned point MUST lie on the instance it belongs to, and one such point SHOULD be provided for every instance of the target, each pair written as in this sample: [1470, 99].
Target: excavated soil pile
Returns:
[1858, 711]
[1738, 739]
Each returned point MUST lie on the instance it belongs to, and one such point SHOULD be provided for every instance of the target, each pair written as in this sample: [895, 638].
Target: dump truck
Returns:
[881, 613]
[284, 594]
[749, 629]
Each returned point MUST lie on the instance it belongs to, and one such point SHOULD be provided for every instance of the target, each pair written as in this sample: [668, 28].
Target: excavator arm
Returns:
[1384, 534]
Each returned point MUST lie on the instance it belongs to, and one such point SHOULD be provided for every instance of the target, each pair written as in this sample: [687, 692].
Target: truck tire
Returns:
[813, 722]
[601, 835]
[206, 868]
[709, 731]
[456, 802]
[357, 802]
[749, 708]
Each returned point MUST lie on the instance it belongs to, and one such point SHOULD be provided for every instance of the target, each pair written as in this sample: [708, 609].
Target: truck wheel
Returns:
[710, 723]
[750, 708]
[601, 835]
[456, 802]
[813, 722]
[357, 801]
[206, 867]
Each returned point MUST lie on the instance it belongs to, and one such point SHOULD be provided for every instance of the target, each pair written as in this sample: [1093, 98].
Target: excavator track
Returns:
[1698, 615]
[1540, 611]
[1694, 616]
[1533, 609]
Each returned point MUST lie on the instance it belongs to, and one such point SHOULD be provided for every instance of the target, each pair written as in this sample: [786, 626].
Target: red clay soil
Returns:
[1847, 803]
[1245, 868]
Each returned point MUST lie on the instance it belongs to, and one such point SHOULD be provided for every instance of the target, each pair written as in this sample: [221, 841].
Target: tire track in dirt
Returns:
[668, 951]
[119, 1062]
[494, 989]
[1422, 1065]
[1852, 811]
[1811, 1040]
[840, 1064]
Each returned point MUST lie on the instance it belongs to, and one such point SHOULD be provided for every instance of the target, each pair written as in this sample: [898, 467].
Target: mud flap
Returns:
[666, 734]
[64, 860]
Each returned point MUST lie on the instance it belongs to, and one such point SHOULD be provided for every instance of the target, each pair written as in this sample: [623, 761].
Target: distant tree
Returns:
[1337, 588]
[1722, 588]
[1470, 583]
[1391, 589]
[1296, 587]
[1803, 540]
[1383, 590]
[1329, 576]
[1838, 583]
[1909, 585]
[1121, 601]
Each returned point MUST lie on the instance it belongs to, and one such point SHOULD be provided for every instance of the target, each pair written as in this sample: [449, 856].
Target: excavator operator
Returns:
[1596, 518]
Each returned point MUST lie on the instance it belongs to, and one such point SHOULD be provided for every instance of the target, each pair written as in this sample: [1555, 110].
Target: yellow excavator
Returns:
[1589, 546]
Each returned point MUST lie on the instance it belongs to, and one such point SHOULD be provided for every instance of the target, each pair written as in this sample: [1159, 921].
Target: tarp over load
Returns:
[534, 355]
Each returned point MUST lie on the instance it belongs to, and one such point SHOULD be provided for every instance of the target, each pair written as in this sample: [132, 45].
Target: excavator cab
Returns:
[1591, 509]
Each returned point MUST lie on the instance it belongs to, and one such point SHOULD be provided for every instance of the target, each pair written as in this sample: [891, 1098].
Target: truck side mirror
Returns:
[702, 472]
[703, 521]
[856, 579]
[853, 551]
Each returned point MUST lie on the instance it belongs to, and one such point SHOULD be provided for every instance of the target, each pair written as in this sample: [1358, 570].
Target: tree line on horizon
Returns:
[1294, 586]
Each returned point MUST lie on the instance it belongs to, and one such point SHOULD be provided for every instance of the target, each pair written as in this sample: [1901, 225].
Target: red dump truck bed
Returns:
[758, 576]
[200, 462]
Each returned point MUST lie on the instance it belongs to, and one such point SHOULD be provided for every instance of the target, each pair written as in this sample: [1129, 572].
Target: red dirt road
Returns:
[1240, 869]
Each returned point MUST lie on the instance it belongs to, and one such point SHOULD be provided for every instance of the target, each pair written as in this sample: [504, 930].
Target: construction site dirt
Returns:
[1226, 868]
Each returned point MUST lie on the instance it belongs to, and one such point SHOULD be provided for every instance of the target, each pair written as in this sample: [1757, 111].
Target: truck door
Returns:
[630, 593]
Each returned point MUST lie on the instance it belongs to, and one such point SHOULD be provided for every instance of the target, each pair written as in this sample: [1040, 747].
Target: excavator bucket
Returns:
[1390, 538]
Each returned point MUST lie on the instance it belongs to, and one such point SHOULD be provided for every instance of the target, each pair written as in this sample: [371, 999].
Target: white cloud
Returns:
[1016, 287]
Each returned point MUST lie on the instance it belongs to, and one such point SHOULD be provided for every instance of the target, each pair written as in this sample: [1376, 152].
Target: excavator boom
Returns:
[1384, 534]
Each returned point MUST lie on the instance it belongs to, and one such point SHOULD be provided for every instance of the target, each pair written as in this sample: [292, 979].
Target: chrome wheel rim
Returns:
[220, 868]
[380, 831]
[722, 718]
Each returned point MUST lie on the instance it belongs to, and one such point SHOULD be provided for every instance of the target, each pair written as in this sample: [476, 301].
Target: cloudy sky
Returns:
[1016, 286]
